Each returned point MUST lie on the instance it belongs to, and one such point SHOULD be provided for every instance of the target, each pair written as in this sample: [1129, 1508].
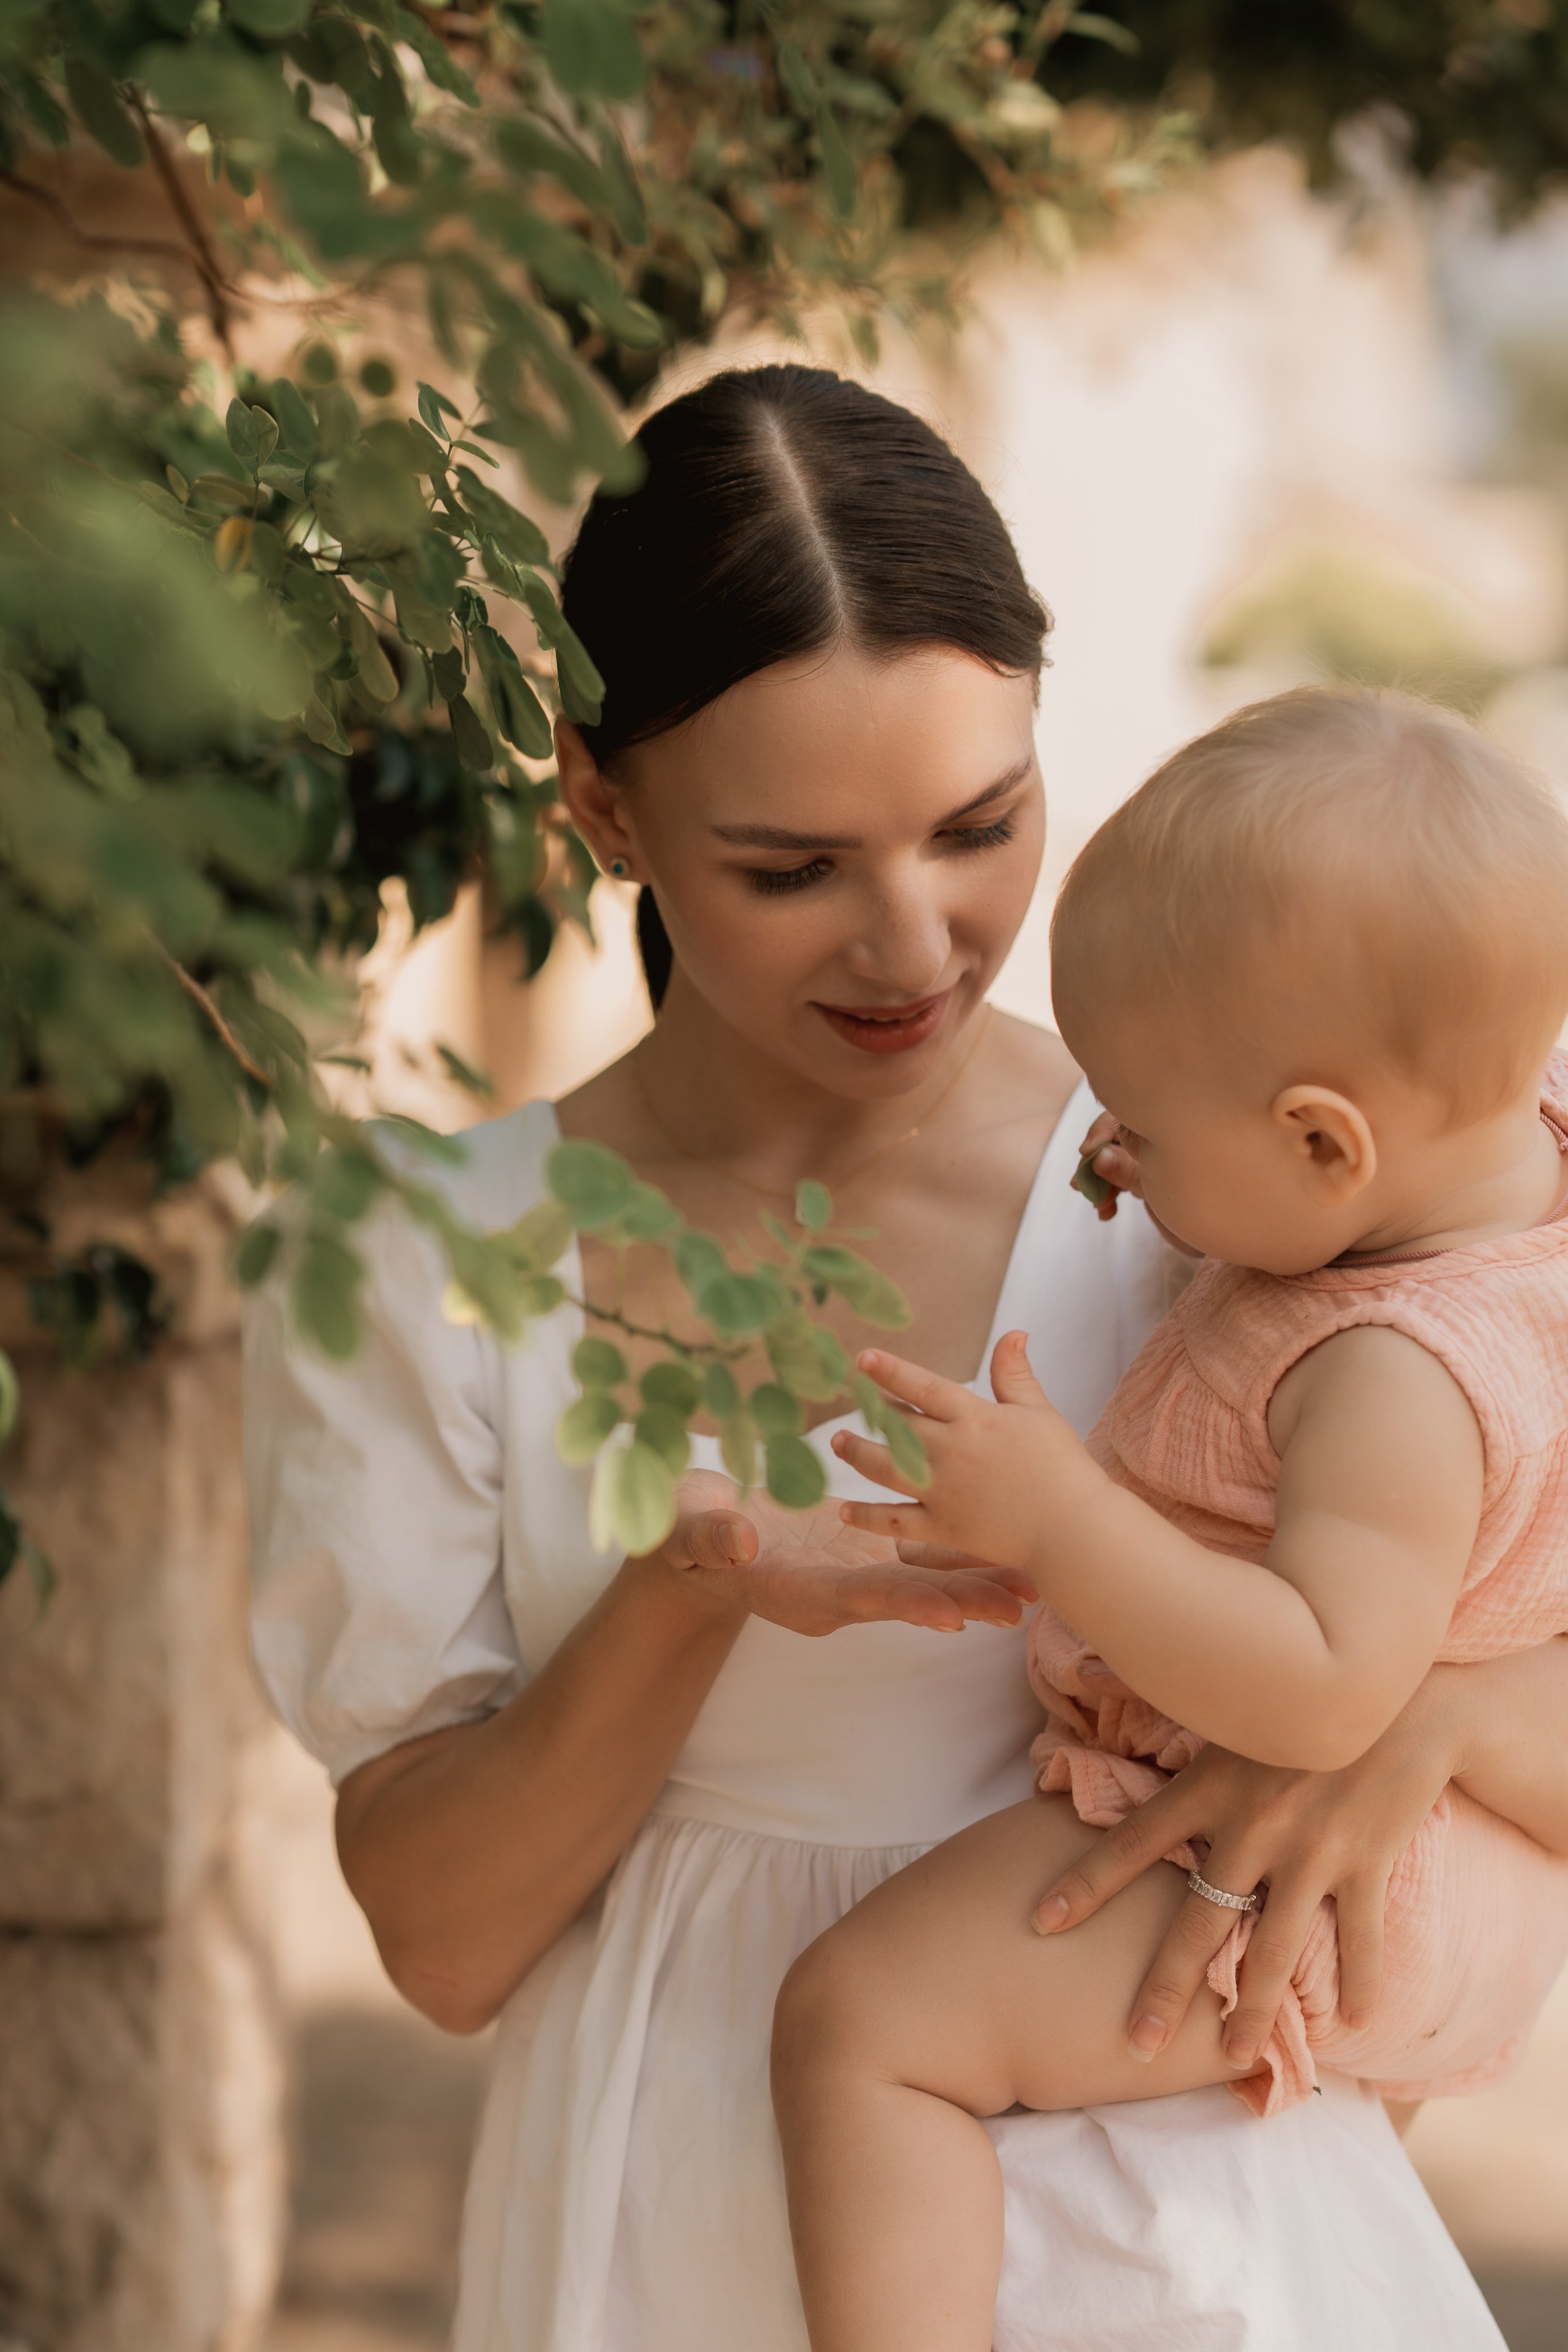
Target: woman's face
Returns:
[843, 850]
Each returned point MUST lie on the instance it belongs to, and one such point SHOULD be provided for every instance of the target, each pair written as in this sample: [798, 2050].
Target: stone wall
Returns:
[141, 2164]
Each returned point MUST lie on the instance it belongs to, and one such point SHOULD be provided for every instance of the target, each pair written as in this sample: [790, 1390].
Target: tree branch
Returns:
[202, 255]
[198, 995]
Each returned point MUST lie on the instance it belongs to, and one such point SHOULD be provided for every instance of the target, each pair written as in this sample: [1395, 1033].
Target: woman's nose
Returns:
[904, 941]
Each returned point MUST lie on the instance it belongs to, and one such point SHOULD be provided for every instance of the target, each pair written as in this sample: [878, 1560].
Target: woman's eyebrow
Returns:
[773, 836]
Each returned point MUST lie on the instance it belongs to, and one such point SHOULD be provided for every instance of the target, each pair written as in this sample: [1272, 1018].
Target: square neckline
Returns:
[1048, 1168]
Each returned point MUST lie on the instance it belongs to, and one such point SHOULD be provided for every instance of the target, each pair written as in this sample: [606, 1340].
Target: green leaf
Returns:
[10, 1398]
[433, 406]
[795, 1476]
[698, 1260]
[1096, 1190]
[373, 672]
[886, 1420]
[259, 1248]
[775, 1411]
[295, 421]
[662, 1428]
[269, 20]
[582, 688]
[808, 1360]
[865, 1291]
[592, 51]
[597, 1364]
[539, 1235]
[738, 1448]
[737, 1303]
[240, 423]
[593, 1183]
[343, 1184]
[672, 1384]
[326, 1295]
[474, 746]
[799, 81]
[1095, 27]
[649, 1215]
[632, 1502]
[813, 1205]
[905, 1445]
[100, 111]
[837, 164]
[585, 1425]
[720, 1393]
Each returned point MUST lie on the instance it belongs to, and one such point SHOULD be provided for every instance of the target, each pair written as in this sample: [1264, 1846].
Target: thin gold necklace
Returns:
[787, 1192]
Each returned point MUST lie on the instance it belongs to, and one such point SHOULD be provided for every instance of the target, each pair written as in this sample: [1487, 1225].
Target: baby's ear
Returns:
[1012, 1381]
[1330, 1134]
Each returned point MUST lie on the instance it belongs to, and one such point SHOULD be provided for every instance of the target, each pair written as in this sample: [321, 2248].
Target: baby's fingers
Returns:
[905, 1522]
[873, 1461]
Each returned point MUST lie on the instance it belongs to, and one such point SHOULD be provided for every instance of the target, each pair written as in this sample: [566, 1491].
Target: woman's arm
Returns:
[471, 1849]
[1499, 1728]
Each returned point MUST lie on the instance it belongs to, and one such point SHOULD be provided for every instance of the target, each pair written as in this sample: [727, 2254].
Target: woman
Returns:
[609, 1803]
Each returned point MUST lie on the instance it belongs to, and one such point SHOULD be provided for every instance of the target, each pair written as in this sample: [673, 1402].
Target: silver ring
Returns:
[1200, 1885]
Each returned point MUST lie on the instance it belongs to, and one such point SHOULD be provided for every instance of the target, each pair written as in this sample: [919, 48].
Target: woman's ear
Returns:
[595, 806]
[1330, 1135]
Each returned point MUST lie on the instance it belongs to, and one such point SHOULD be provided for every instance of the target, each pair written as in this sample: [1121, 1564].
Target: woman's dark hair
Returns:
[783, 510]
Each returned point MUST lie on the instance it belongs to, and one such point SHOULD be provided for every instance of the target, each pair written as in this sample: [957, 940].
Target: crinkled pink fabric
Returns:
[1477, 1915]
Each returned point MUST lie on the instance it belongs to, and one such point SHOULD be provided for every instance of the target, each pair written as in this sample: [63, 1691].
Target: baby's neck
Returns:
[1476, 1185]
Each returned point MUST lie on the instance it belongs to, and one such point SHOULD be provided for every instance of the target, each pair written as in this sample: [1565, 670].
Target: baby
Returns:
[1315, 969]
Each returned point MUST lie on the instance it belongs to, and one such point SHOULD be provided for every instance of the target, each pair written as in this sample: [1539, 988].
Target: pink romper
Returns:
[1477, 1920]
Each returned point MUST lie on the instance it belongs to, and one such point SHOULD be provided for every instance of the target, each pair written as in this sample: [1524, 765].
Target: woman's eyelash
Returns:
[771, 882]
[985, 836]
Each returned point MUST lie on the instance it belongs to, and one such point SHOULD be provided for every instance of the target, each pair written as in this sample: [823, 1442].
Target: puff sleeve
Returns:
[374, 1490]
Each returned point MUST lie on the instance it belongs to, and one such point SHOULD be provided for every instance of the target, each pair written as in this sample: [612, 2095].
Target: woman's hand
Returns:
[1301, 1835]
[807, 1571]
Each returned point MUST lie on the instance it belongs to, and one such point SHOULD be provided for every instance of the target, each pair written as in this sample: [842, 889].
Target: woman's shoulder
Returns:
[1035, 1057]
[490, 1172]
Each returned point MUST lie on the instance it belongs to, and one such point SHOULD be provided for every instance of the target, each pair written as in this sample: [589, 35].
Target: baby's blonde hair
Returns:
[1405, 876]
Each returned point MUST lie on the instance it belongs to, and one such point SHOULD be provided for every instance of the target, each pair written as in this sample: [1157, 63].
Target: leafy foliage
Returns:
[272, 639]
[1473, 84]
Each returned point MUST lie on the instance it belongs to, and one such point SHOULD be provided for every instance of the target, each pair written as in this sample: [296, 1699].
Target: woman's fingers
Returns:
[918, 1599]
[1181, 1966]
[1115, 1860]
[1360, 1904]
[1278, 1937]
[873, 1461]
[718, 1540]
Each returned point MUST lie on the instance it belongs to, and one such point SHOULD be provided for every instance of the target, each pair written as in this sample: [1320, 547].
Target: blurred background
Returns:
[1266, 436]
[1286, 408]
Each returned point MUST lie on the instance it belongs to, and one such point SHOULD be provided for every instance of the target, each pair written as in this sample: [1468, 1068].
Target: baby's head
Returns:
[1318, 957]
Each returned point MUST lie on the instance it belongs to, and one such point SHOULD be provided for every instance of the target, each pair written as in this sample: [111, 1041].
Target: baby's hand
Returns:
[999, 1472]
[1105, 1169]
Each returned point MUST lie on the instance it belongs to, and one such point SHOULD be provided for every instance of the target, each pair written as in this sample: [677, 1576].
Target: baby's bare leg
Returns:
[930, 2004]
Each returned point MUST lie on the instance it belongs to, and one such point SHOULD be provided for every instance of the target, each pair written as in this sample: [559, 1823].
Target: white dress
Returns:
[419, 1550]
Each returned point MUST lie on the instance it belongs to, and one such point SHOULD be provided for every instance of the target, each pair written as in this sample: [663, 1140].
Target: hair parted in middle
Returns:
[783, 511]
[1399, 876]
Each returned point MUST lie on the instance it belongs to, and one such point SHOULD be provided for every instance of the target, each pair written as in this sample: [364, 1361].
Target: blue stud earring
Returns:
[619, 868]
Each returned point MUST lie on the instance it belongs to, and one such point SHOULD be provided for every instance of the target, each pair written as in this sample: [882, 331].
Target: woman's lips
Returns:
[887, 1029]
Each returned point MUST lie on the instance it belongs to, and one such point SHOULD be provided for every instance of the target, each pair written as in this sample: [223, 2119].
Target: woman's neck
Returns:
[713, 1097]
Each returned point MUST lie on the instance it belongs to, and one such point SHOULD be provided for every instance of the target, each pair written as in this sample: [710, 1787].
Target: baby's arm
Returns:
[1305, 1664]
